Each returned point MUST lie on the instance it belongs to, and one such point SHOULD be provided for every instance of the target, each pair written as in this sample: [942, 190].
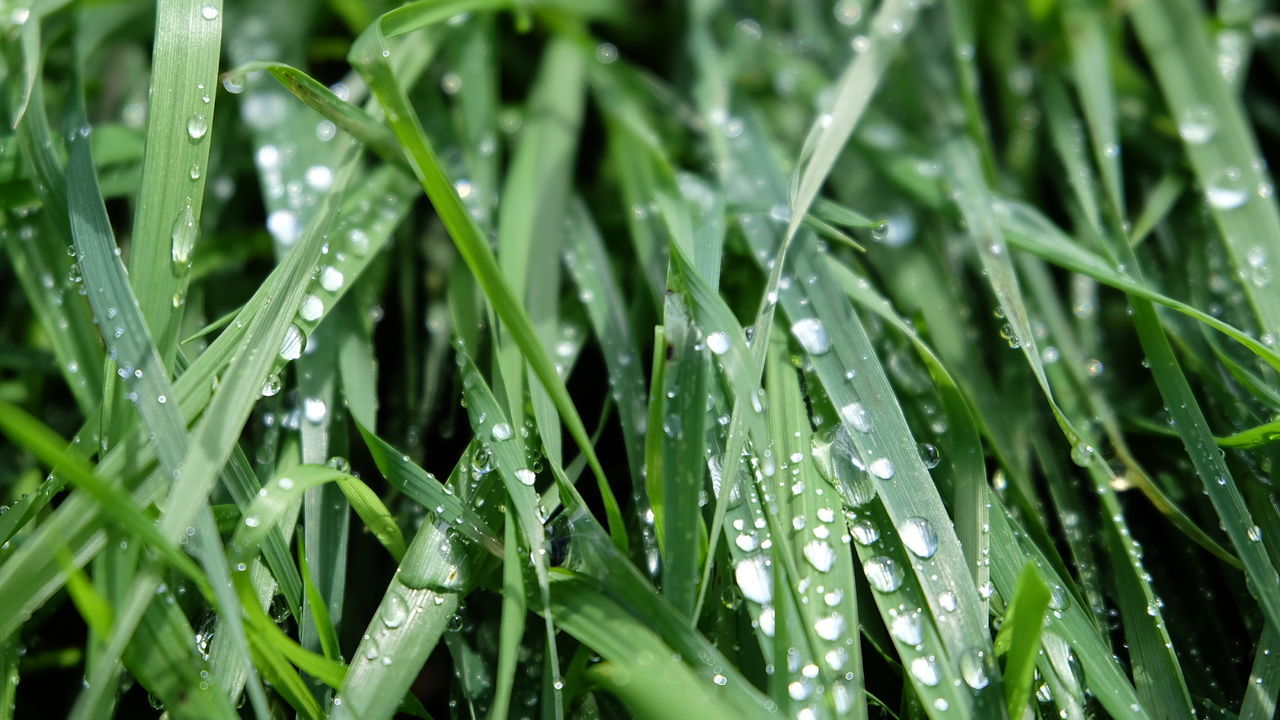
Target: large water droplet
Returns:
[291, 347]
[973, 669]
[718, 342]
[838, 461]
[271, 386]
[925, 670]
[755, 579]
[183, 237]
[856, 416]
[812, 335]
[864, 532]
[1227, 189]
[500, 431]
[881, 468]
[526, 476]
[315, 410]
[918, 535]
[1197, 124]
[820, 555]
[829, 627]
[331, 278]
[907, 629]
[197, 126]
[311, 309]
[209, 12]
[883, 573]
[394, 611]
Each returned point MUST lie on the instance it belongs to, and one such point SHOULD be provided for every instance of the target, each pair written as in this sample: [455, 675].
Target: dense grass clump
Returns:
[599, 359]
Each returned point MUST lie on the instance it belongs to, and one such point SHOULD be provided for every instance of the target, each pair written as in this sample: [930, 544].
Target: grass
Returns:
[584, 359]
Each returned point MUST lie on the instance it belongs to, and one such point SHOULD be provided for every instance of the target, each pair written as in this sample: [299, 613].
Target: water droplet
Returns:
[325, 130]
[918, 536]
[232, 84]
[755, 579]
[718, 342]
[283, 226]
[883, 573]
[1227, 189]
[856, 416]
[331, 278]
[812, 335]
[291, 347]
[947, 601]
[864, 532]
[1197, 124]
[312, 308]
[252, 521]
[907, 629]
[606, 53]
[526, 476]
[881, 468]
[820, 555]
[451, 83]
[837, 460]
[501, 431]
[319, 177]
[197, 126]
[394, 611]
[925, 670]
[183, 237]
[315, 410]
[195, 171]
[848, 12]
[272, 385]
[830, 627]
[973, 669]
[209, 12]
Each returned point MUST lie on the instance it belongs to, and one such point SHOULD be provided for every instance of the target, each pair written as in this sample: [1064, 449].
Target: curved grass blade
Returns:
[367, 55]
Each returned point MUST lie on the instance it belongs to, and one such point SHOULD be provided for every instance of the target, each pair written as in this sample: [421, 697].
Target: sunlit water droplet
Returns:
[925, 670]
[209, 12]
[183, 237]
[918, 536]
[883, 573]
[881, 468]
[755, 579]
[526, 476]
[820, 555]
[906, 628]
[812, 335]
[315, 410]
[197, 126]
[272, 386]
[501, 431]
[331, 278]
[394, 611]
[312, 308]
[718, 342]
[1227, 189]
[291, 347]
[973, 669]
[1197, 124]
[856, 416]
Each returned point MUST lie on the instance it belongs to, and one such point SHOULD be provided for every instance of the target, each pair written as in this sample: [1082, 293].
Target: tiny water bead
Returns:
[812, 336]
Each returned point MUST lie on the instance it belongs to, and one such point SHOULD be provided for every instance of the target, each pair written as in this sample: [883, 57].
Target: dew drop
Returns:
[925, 670]
[812, 335]
[183, 237]
[755, 579]
[315, 410]
[883, 573]
[209, 12]
[312, 308]
[864, 532]
[1197, 124]
[395, 611]
[1227, 189]
[918, 536]
[526, 476]
[291, 347]
[856, 416]
[973, 669]
[829, 627]
[881, 468]
[906, 628]
[331, 278]
[718, 342]
[272, 386]
[820, 555]
[501, 431]
[197, 126]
